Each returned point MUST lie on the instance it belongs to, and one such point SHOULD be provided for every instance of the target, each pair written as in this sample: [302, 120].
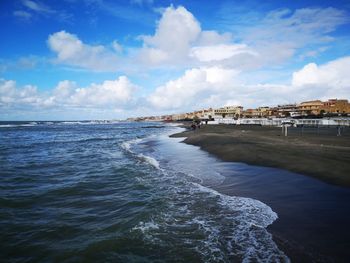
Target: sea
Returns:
[102, 191]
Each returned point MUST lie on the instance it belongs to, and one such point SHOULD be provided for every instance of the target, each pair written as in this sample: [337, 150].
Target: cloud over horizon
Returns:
[197, 88]
[197, 65]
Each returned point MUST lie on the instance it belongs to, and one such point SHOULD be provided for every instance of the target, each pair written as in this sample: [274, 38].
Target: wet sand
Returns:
[320, 154]
[312, 201]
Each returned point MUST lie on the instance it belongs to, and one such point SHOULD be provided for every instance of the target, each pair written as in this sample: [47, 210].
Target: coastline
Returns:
[313, 209]
[325, 157]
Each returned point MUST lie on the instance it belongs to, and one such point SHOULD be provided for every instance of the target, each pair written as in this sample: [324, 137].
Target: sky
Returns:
[104, 59]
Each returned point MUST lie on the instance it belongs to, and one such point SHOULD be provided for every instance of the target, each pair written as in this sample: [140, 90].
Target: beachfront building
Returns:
[208, 114]
[189, 115]
[229, 111]
[335, 106]
[312, 107]
[286, 110]
[179, 117]
[250, 113]
[262, 112]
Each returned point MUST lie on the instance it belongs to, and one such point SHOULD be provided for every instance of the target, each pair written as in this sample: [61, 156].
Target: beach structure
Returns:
[341, 121]
[335, 106]
[236, 114]
[229, 111]
[286, 110]
[312, 107]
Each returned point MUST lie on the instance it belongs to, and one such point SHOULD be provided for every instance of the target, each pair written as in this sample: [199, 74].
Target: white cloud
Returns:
[328, 80]
[179, 40]
[141, 2]
[207, 38]
[117, 47]
[22, 14]
[110, 94]
[176, 31]
[282, 33]
[71, 50]
[214, 86]
[37, 7]
[334, 73]
[197, 88]
[193, 88]
[10, 95]
[219, 52]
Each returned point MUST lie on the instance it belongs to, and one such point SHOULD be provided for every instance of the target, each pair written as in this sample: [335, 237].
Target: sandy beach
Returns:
[308, 185]
[320, 154]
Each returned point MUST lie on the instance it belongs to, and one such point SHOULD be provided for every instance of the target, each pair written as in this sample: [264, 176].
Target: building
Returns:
[312, 107]
[250, 113]
[178, 117]
[208, 113]
[229, 111]
[262, 112]
[286, 110]
[335, 106]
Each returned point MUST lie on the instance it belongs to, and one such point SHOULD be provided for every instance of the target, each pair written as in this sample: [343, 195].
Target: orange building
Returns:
[310, 107]
[336, 106]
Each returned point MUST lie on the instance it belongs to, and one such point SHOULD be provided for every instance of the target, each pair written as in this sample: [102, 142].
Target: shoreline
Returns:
[312, 208]
[324, 157]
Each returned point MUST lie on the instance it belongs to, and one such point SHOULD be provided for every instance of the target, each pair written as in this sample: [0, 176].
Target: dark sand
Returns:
[313, 210]
[320, 154]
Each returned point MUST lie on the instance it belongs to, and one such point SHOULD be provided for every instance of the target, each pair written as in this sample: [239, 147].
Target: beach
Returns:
[320, 154]
[308, 187]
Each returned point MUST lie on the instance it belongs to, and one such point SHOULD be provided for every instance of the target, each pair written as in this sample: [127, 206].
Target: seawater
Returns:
[121, 192]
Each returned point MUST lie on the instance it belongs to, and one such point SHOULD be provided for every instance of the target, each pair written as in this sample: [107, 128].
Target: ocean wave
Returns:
[127, 144]
[252, 217]
[146, 226]
[152, 161]
[87, 122]
[228, 228]
[17, 125]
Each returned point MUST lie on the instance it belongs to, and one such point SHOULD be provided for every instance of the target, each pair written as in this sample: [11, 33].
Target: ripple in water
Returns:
[107, 195]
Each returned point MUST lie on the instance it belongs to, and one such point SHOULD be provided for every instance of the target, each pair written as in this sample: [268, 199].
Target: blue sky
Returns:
[104, 59]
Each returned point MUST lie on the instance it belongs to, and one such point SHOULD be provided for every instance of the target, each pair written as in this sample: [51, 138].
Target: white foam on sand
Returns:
[230, 228]
[235, 230]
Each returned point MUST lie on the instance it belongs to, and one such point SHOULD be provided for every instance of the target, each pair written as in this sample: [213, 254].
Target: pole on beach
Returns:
[339, 131]
[286, 131]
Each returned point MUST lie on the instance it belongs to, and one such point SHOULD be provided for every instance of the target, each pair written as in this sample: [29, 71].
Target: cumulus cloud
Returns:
[71, 50]
[176, 31]
[115, 93]
[11, 96]
[110, 94]
[194, 88]
[197, 88]
[332, 78]
[219, 52]
[179, 39]
[333, 73]
[215, 86]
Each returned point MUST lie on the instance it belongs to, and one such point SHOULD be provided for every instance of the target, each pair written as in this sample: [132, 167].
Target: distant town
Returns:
[308, 109]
